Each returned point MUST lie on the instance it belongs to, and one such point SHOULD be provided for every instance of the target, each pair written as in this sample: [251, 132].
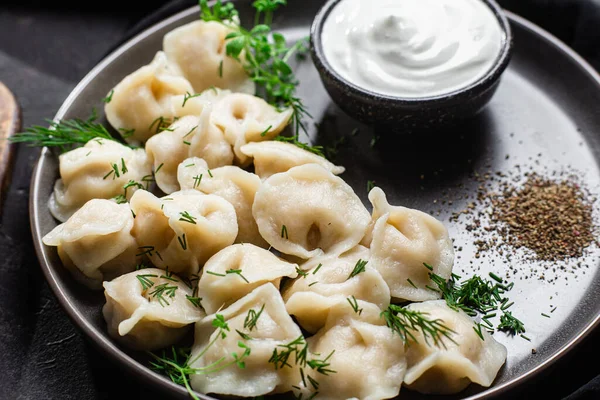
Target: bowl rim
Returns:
[126, 362]
[491, 76]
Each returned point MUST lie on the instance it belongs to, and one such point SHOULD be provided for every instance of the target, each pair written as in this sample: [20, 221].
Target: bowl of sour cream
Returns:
[411, 63]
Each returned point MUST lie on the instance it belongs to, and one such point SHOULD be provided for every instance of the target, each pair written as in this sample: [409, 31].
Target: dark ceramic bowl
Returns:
[406, 113]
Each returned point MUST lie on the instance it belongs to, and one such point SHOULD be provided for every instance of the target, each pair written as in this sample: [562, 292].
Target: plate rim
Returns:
[144, 373]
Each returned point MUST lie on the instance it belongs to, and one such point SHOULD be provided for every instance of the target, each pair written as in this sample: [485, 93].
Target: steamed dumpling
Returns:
[367, 357]
[272, 157]
[256, 266]
[307, 211]
[182, 230]
[149, 309]
[95, 244]
[98, 170]
[402, 240]
[451, 367]
[144, 96]
[198, 50]
[188, 136]
[271, 328]
[231, 183]
[245, 118]
[327, 282]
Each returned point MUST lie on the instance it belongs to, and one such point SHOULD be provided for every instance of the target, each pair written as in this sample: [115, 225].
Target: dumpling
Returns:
[231, 183]
[402, 240]
[236, 270]
[367, 357]
[451, 367]
[99, 170]
[245, 118]
[327, 282]
[263, 326]
[182, 230]
[149, 309]
[143, 97]
[307, 211]
[198, 50]
[96, 244]
[193, 104]
[272, 157]
[188, 136]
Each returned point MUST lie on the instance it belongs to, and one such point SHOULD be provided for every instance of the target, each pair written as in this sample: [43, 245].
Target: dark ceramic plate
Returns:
[543, 116]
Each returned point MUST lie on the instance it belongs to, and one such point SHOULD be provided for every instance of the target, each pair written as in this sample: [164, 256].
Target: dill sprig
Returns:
[263, 54]
[318, 150]
[145, 280]
[187, 217]
[478, 295]
[237, 272]
[252, 318]
[163, 290]
[354, 304]
[177, 365]
[63, 134]
[358, 268]
[196, 301]
[404, 322]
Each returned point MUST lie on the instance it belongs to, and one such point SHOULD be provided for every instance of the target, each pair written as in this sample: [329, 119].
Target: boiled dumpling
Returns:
[449, 368]
[99, 170]
[307, 211]
[402, 240]
[231, 183]
[96, 244]
[245, 118]
[272, 157]
[182, 230]
[188, 136]
[149, 309]
[367, 357]
[327, 282]
[194, 104]
[143, 97]
[236, 270]
[198, 51]
[263, 326]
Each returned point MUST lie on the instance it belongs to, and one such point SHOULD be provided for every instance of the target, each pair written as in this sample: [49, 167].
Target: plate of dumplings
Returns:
[217, 242]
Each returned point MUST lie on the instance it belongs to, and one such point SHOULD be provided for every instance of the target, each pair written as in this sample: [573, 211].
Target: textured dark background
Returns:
[45, 49]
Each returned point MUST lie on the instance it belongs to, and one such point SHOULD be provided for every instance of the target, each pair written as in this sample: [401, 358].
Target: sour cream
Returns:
[412, 48]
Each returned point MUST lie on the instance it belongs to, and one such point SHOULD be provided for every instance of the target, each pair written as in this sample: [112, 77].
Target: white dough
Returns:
[85, 174]
[145, 95]
[451, 367]
[231, 183]
[310, 298]
[368, 358]
[402, 240]
[307, 211]
[245, 118]
[149, 319]
[272, 157]
[197, 49]
[257, 266]
[274, 327]
[95, 244]
[170, 240]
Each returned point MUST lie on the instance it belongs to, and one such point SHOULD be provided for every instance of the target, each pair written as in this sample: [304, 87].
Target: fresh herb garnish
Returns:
[252, 318]
[263, 54]
[178, 364]
[187, 217]
[163, 290]
[284, 232]
[404, 322]
[237, 272]
[354, 304]
[318, 150]
[145, 280]
[358, 268]
[317, 269]
[196, 301]
[301, 272]
[108, 98]
[182, 241]
[63, 134]
[197, 180]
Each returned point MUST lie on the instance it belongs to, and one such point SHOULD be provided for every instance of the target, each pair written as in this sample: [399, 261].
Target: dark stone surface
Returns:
[45, 49]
